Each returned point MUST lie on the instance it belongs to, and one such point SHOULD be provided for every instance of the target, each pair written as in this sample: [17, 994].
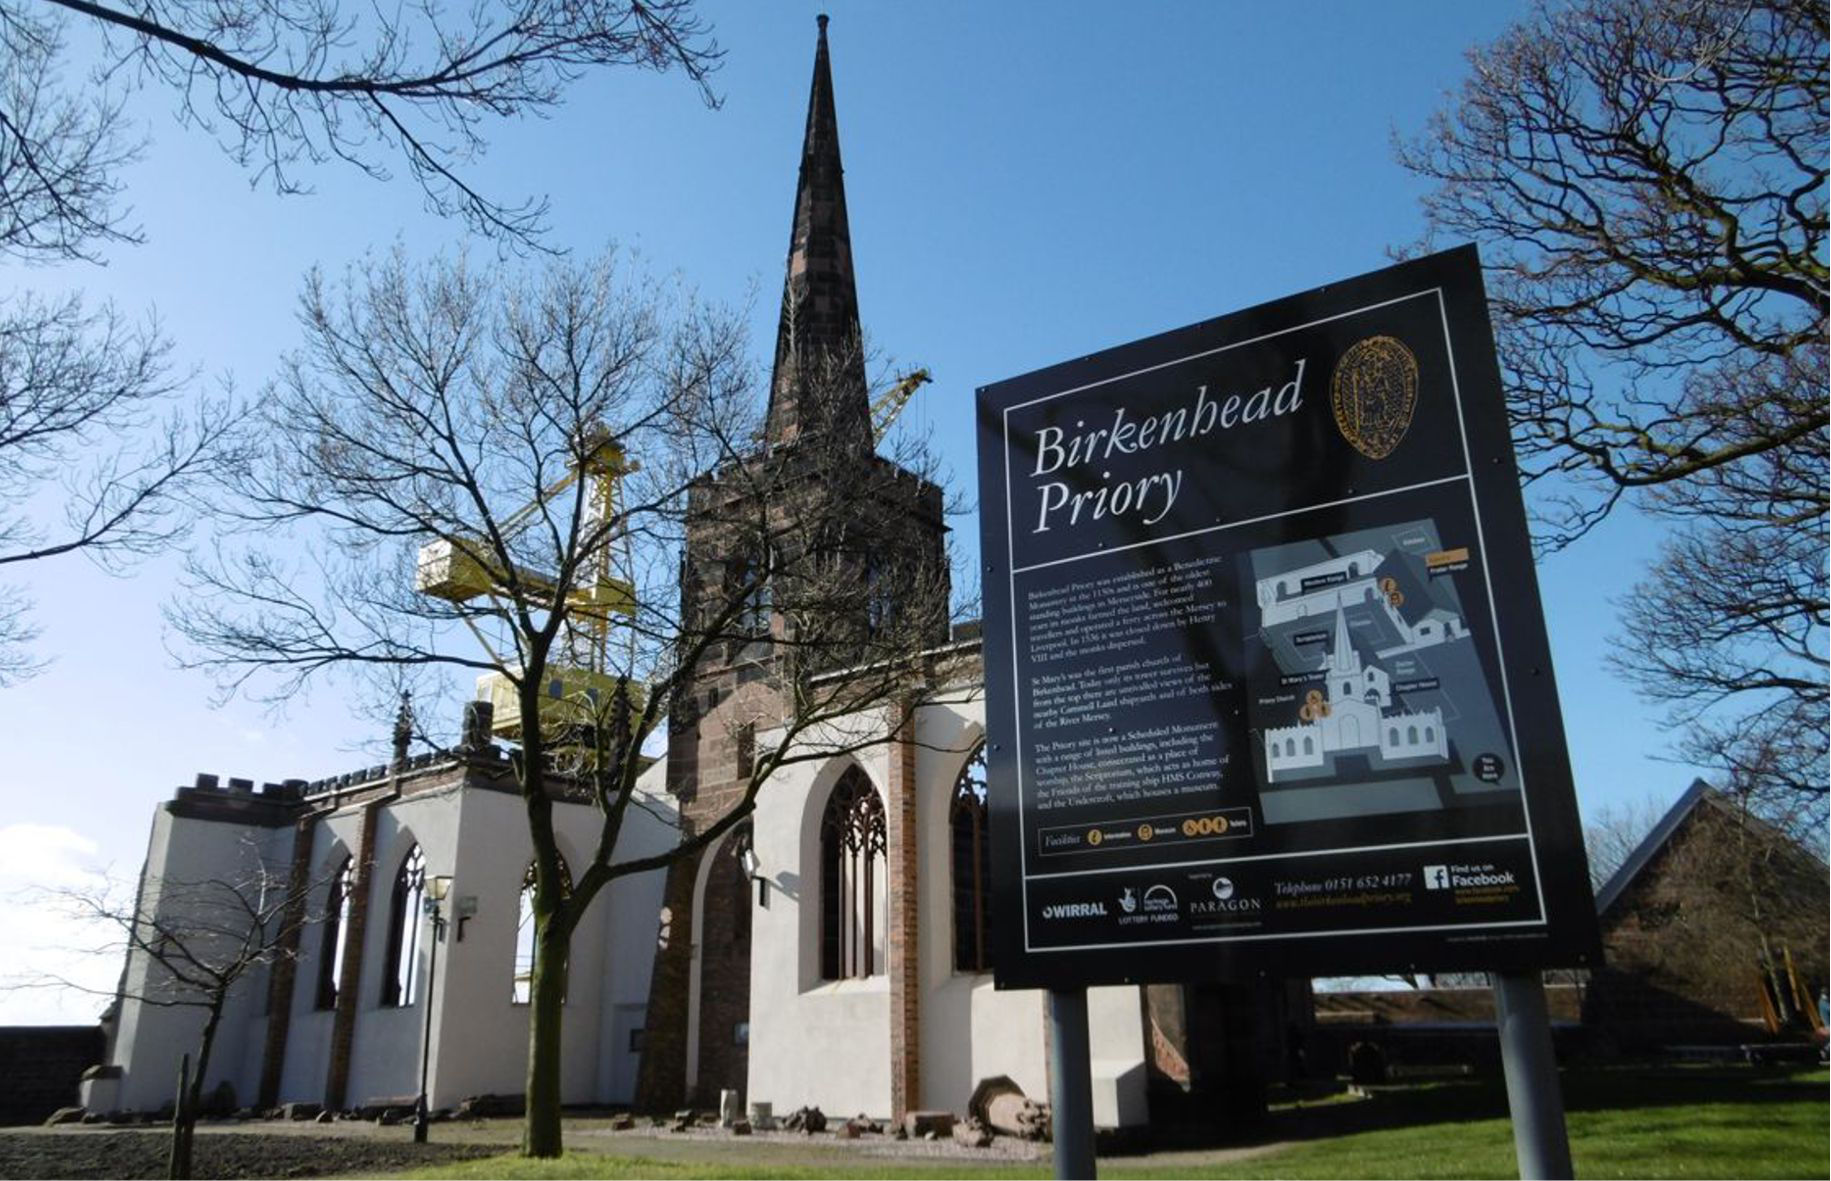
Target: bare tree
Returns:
[1611, 838]
[1647, 179]
[287, 84]
[73, 382]
[283, 85]
[190, 944]
[1732, 902]
[532, 456]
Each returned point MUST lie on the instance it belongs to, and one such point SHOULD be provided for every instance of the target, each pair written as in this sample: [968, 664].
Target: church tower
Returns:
[814, 498]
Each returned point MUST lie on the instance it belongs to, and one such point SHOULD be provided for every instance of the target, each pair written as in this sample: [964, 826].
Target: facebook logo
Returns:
[1437, 877]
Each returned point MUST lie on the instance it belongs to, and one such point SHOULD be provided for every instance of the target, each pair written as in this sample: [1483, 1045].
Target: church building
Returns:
[830, 952]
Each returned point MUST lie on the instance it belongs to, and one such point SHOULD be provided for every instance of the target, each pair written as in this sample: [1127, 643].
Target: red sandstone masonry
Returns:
[349, 992]
[905, 899]
[286, 969]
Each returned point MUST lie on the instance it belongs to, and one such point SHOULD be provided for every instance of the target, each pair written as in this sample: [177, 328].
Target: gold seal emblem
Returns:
[1374, 391]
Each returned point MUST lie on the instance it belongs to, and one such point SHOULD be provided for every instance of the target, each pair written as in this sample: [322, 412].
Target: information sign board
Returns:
[1267, 680]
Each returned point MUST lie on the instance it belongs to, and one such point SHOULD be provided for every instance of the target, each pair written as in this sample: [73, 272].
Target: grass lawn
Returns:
[1654, 1123]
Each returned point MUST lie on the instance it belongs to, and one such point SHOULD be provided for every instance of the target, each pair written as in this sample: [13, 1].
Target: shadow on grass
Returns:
[1585, 1089]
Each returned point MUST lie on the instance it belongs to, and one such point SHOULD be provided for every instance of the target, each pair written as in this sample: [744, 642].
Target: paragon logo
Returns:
[1075, 910]
[1224, 900]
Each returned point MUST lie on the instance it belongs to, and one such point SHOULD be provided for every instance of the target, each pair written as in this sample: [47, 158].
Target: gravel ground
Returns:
[94, 1152]
[351, 1148]
[1003, 1149]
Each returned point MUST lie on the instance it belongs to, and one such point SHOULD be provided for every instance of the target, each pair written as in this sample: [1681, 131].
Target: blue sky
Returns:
[1027, 182]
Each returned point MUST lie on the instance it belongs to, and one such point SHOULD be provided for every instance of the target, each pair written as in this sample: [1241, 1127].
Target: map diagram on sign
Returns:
[1366, 689]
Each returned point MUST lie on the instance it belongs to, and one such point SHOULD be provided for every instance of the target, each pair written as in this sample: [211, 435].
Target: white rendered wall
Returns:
[827, 1043]
[815, 1043]
[479, 1036]
[152, 1038]
[970, 1030]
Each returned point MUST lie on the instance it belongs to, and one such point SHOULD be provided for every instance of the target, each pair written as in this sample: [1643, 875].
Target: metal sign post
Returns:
[1534, 1100]
[1071, 1091]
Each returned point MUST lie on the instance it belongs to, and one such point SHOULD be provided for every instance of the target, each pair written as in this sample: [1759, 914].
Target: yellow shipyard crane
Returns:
[891, 402]
[462, 569]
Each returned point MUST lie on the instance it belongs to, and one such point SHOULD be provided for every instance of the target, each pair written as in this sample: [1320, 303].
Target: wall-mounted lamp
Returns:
[437, 889]
[753, 869]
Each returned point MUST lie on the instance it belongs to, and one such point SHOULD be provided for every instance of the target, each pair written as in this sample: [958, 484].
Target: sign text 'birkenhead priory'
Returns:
[1149, 497]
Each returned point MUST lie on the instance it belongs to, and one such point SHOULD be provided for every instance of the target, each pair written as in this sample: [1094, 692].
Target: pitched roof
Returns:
[1698, 793]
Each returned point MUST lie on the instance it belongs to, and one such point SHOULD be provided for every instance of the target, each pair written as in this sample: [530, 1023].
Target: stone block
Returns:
[973, 1134]
[920, 1124]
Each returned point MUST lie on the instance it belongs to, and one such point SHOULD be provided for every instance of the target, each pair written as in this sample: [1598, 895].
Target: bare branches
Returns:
[1647, 179]
[288, 84]
[1648, 182]
[73, 381]
[61, 152]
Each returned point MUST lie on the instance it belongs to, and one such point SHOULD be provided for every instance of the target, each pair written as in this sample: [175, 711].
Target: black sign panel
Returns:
[1267, 680]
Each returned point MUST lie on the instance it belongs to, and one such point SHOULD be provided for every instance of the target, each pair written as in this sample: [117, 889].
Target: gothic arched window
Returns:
[750, 578]
[335, 933]
[400, 979]
[524, 931]
[880, 596]
[972, 868]
[852, 849]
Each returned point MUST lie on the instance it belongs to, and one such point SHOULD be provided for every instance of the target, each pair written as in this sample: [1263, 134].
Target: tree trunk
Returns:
[178, 1165]
[190, 1097]
[540, 1134]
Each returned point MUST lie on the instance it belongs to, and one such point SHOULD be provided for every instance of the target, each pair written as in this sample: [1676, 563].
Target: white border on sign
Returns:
[1468, 477]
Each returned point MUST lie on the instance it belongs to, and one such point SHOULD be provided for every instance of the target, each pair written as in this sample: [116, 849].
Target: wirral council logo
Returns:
[1075, 910]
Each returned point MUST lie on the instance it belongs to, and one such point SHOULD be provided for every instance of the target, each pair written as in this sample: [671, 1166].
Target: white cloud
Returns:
[45, 855]
[39, 938]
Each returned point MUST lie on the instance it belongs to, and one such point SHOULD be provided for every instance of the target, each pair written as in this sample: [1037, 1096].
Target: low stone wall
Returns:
[40, 1067]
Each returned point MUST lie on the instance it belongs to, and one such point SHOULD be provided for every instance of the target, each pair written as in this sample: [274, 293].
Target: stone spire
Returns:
[1342, 657]
[818, 387]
